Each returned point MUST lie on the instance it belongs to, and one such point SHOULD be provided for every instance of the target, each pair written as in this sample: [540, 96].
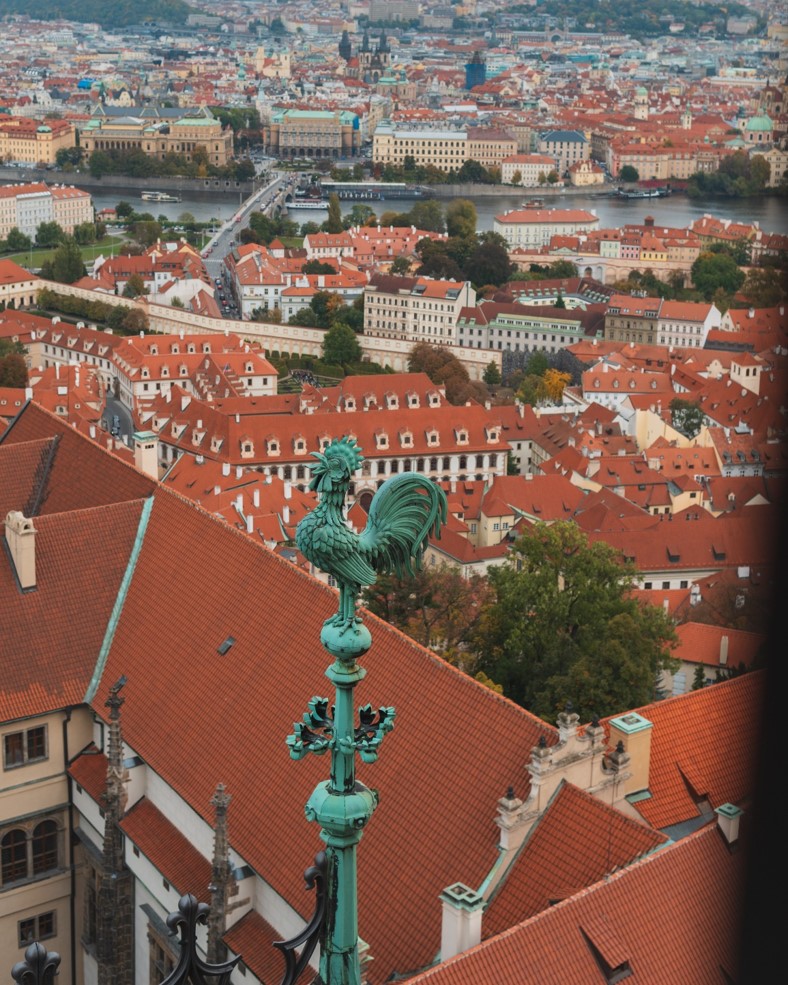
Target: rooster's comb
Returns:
[347, 451]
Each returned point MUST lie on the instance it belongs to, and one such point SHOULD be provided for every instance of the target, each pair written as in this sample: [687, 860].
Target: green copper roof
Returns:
[631, 723]
[759, 124]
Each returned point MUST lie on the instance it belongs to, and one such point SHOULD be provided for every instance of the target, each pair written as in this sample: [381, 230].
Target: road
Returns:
[263, 200]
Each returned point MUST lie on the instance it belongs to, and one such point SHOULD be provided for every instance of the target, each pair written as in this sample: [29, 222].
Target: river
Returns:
[770, 212]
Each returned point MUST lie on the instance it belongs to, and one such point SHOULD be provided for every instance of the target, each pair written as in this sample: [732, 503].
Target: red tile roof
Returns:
[693, 887]
[577, 841]
[706, 740]
[253, 938]
[55, 634]
[170, 851]
[701, 643]
[80, 474]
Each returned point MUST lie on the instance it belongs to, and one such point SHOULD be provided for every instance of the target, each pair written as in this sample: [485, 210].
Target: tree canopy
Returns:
[341, 346]
[563, 627]
[443, 367]
[461, 217]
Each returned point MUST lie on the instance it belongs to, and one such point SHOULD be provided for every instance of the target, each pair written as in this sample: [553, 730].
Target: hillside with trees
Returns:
[118, 14]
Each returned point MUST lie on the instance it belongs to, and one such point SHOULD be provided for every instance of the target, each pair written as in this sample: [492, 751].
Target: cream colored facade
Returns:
[444, 149]
[36, 879]
[27, 206]
[294, 133]
[34, 142]
[490, 151]
[529, 167]
[416, 309]
[156, 137]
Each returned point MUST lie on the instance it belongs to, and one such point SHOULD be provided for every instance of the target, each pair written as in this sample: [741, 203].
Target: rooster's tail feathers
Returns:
[405, 512]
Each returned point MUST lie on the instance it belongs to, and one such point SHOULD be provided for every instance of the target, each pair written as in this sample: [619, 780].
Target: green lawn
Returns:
[291, 242]
[36, 257]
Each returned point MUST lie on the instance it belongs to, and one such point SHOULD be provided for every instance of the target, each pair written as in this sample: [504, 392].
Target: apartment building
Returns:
[521, 328]
[533, 228]
[300, 133]
[33, 141]
[490, 147]
[443, 149]
[416, 309]
[18, 287]
[566, 146]
[654, 321]
[25, 207]
[530, 168]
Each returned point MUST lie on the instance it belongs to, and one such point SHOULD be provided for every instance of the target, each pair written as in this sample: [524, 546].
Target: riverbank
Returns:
[120, 183]
[492, 191]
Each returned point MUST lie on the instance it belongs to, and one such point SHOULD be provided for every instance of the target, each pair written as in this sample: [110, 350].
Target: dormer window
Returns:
[154, 350]
[247, 448]
[324, 442]
[434, 399]
[216, 444]
[182, 370]
[145, 373]
[413, 400]
[432, 437]
[350, 403]
[493, 435]
[462, 436]
[206, 347]
[272, 446]
[406, 439]
[175, 349]
[392, 401]
[165, 371]
[249, 367]
[381, 439]
[299, 445]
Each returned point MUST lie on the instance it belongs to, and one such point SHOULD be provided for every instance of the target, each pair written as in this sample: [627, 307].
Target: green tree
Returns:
[443, 367]
[686, 416]
[67, 265]
[532, 390]
[766, 287]
[400, 267]
[517, 178]
[559, 301]
[13, 371]
[461, 217]
[49, 234]
[146, 232]
[428, 215]
[699, 678]
[341, 346]
[489, 264]
[185, 219]
[318, 267]
[135, 286]
[85, 233]
[629, 173]
[359, 215]
[552, 177]
[123, 210]
[537, 363]
[438, 607]
[716, 270]
[492, 375]
[328, 308]
[563, 627]
[177, 303]
[333, 223]
[17, 241]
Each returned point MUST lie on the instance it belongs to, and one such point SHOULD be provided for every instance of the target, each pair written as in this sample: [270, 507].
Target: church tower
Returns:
[641, 103]
[345, 50]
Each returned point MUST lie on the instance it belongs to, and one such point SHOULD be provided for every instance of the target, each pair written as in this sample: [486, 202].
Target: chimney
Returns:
[239, 502]
[217, 490]
[249, 523]
[461, 925]
[256, 496]
[239, 471]
[728, 817]
[199, 459]
[146, 453]
[225, 468]
[185, 400]
[288, 489]
[20, 536]
[723, 650]
[92, 431]
[286, 515]
[634, 733]
[751, 313]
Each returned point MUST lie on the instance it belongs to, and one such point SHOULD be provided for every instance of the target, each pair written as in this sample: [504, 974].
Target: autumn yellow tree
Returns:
[554, 383]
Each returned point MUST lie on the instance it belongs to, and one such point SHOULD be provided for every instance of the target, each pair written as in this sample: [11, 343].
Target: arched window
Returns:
[44, 847]
[14, 856]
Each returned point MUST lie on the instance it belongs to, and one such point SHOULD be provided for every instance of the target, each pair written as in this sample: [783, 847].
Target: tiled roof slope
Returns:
[197, 718]
[80, 474]
[52, 640]
[576, 842]
[89, 770]
[253, 938]
[22, 471]
[705, 740]
[673, 918]
[170, 851]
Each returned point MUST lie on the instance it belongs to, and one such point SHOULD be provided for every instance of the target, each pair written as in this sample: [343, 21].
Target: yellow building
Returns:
[156, 136]
[34, 142]
[299, 133]
[447, 150]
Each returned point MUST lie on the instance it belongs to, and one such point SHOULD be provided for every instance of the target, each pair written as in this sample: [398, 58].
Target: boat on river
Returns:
[159, 197]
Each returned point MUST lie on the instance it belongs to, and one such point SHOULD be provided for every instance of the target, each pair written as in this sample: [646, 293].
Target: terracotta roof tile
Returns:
[170, 851]
[694, 887]
[712, 735]
[253, 938]
[577, 841]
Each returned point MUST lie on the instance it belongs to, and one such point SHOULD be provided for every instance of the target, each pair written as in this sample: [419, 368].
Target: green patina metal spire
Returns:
[405, 512]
